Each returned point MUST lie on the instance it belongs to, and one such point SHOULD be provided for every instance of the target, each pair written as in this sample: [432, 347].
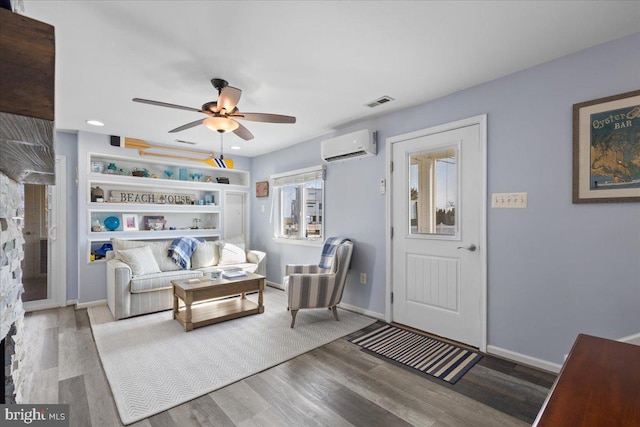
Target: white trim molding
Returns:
[358, 310]
[275, 285]
[524, 359]
[81, 305]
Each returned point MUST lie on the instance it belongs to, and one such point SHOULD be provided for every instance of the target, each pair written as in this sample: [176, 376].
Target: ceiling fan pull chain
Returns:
[221, 152]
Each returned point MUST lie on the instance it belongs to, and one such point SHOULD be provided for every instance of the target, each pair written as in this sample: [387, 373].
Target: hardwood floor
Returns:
[334, 385]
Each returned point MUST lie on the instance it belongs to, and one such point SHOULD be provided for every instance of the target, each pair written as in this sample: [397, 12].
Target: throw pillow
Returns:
[231, 254]
[140, 260]
[205, 255]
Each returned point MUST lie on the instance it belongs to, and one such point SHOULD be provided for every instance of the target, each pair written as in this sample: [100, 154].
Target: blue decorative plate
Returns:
[111, 223]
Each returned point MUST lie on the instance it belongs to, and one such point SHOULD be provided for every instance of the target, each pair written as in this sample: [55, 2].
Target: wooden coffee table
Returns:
[191, 291]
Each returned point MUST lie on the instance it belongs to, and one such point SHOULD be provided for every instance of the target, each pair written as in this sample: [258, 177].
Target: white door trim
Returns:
[481, 121]
[57, 256]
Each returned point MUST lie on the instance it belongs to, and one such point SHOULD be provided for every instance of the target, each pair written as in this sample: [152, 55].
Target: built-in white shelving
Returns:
[179, 205]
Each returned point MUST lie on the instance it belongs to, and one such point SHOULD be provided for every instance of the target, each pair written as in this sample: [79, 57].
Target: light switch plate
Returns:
[509, 200]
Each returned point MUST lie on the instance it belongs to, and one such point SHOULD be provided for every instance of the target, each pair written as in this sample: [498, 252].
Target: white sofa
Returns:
[139, 273]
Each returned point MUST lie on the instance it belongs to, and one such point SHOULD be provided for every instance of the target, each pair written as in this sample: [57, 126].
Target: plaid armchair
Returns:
[316, 286]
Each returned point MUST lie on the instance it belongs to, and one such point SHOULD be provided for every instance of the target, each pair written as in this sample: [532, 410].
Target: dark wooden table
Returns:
[599, 385]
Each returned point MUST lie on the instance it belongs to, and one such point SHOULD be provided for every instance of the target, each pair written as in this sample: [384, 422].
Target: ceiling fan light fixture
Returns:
[220, 124]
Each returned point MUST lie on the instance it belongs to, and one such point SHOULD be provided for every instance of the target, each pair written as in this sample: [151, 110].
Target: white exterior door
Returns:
[438, 254]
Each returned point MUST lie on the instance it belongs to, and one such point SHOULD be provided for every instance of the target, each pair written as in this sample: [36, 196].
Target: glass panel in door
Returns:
[433, 192]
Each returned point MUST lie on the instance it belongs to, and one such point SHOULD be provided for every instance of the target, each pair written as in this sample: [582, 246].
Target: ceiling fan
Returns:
[223, 113]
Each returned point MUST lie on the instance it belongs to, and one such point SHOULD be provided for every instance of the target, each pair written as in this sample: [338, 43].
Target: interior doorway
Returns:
[44, 230]
[36, 249]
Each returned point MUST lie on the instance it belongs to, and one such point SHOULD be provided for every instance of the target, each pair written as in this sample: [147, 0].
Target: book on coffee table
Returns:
[234, 274]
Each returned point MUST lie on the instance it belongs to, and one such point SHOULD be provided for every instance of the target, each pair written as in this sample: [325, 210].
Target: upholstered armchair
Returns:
[318, 286]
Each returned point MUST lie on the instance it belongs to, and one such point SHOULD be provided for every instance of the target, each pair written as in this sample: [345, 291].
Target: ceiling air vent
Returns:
[380, 101]
[185, 142]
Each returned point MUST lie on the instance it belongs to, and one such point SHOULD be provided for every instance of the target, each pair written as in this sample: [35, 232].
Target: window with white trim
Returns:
[299, 204]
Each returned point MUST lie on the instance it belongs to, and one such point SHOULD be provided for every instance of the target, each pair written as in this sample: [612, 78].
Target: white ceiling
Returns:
[320, 61]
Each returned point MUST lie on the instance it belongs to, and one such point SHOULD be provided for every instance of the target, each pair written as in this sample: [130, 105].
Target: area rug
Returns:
[152, 364]
[425, 354]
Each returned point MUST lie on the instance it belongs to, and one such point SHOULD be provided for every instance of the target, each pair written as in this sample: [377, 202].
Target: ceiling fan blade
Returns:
[243, 132]
[165, 104]
[264, 117]
[187, 126]
[228, 99]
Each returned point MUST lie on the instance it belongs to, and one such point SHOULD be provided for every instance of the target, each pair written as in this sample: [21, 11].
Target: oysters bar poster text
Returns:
[121, 196]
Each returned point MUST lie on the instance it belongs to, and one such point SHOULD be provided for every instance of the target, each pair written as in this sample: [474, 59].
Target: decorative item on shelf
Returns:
[130, 222]
[208, 178]
[97, 167]
[182, 174]
[97, 227]
[140, 172]
[222, 180]
[169, 173]
[97, 194]
[262, 189]
[208, 199]
[155, 176]
[111, 223]
[195, 223]
[112, 167]
[149, 197]
[154, 222]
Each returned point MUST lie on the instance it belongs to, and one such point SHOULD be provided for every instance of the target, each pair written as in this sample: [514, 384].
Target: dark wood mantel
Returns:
[599, 385]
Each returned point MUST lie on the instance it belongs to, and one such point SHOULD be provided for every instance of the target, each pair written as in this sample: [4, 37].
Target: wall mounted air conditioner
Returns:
[362, 143]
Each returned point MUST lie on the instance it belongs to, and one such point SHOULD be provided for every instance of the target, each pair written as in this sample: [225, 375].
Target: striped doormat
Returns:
[439, 359]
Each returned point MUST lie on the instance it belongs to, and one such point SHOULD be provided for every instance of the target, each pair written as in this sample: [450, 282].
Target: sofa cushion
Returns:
[140, 260]
[205, 255]
[158, 281]
[231, 254]
[160, 250]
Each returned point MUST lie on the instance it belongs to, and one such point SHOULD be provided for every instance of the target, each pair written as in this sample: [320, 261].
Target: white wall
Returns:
[555, 269]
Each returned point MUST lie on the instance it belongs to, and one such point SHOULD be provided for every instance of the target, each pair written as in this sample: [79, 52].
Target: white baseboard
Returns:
[275, 285]
[631, 339]
[342, 305]
[359, 310]
[524, 359]
[81, 305]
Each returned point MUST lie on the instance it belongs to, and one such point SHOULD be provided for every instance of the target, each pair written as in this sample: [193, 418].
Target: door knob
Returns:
[470, 248]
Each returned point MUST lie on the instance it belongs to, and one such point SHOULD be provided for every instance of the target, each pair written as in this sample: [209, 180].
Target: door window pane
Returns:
[433, 192]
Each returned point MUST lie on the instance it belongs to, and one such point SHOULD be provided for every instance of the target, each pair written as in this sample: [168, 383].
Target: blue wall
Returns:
[555, 269]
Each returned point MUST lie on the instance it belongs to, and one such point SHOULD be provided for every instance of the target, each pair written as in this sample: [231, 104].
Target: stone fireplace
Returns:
[11, 310]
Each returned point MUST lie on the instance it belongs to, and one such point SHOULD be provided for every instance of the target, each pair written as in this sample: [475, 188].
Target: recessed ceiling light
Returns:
[235, 147]
[95, 123]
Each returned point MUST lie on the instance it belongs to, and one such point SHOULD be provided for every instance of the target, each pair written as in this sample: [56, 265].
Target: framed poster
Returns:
[606, 149]
[130, 222]
[262, 189]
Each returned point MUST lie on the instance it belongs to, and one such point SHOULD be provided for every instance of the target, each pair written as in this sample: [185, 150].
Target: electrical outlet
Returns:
[363, 278]
[509, 200]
